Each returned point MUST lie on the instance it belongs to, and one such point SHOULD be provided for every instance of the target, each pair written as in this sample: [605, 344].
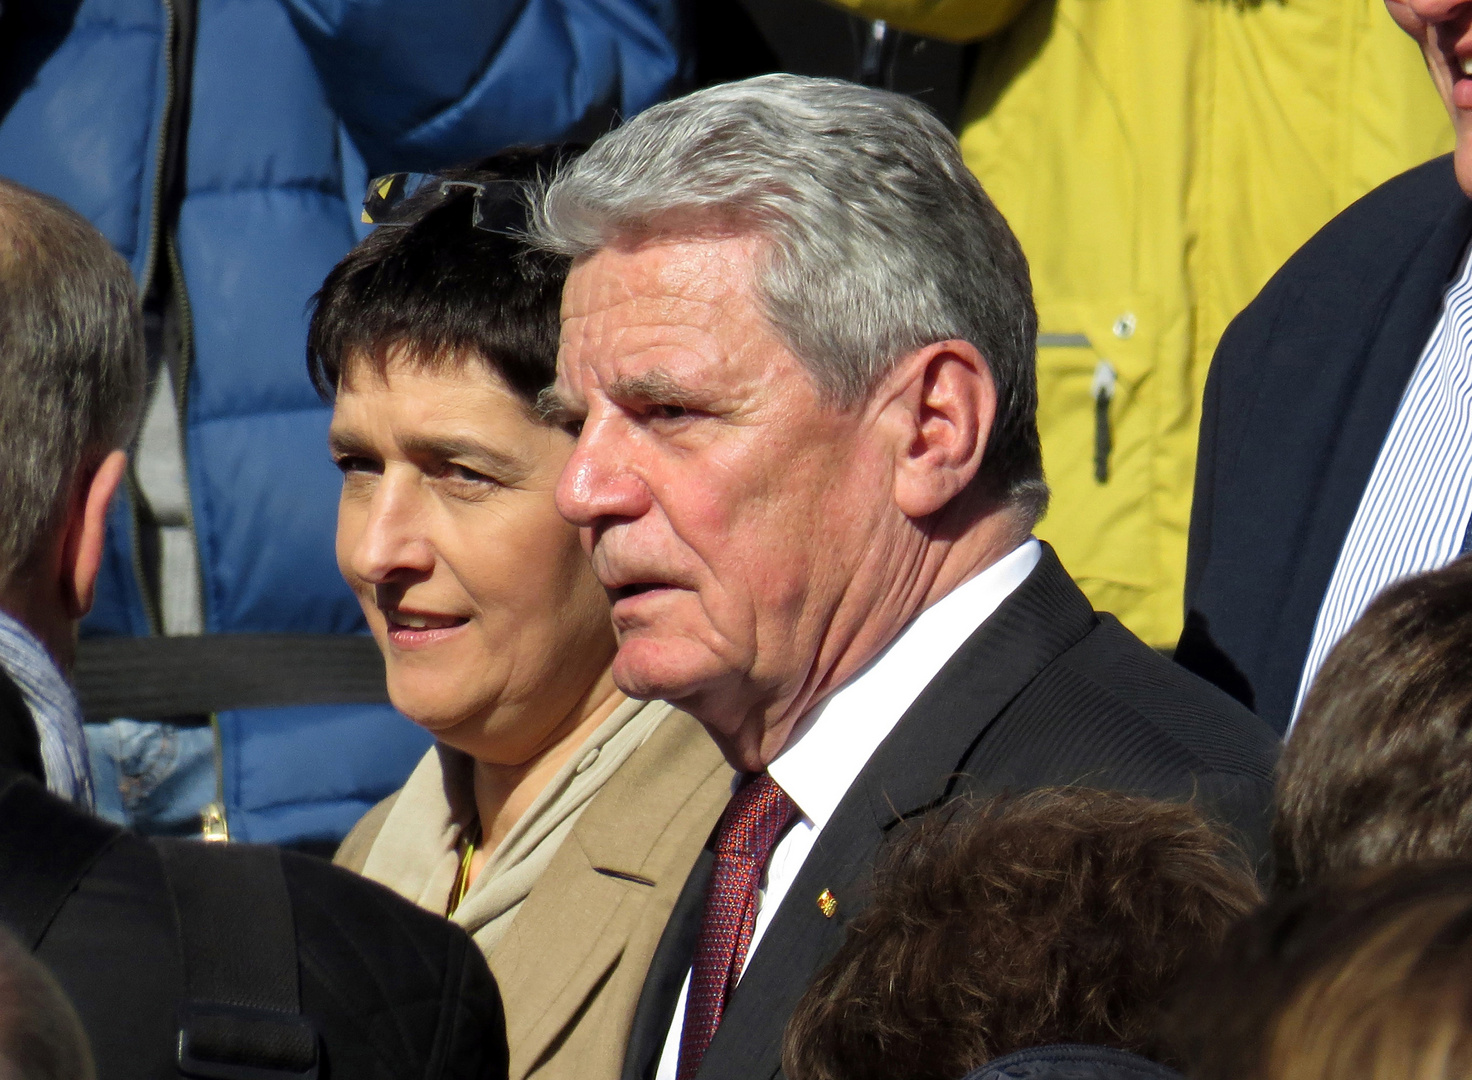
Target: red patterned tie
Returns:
[758, 814]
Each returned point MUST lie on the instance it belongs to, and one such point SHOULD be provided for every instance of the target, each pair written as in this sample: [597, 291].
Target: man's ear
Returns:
[941, 403]
[86, 529]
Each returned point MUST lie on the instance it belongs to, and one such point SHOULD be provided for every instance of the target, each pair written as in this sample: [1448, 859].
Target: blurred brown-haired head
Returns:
[1379, 765]
[1363, 977]
[41, 1037]
[1061, 915]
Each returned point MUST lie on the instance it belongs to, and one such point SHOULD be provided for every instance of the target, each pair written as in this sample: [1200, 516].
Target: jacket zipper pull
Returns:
[1105, 379]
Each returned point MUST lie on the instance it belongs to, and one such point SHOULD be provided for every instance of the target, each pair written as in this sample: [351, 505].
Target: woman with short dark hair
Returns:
[556, 819]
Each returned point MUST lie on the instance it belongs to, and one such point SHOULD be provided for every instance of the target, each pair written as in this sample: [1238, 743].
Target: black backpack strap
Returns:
[153, 678]
[241, 1019]
[46, 848]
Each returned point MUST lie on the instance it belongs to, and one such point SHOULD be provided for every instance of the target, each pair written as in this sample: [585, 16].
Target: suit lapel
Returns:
[1346, 359]
[576, 924]
[915, 768]
[667, 971]
[586, 947]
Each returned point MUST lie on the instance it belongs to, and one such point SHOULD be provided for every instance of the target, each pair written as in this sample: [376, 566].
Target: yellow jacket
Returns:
[1159, 159]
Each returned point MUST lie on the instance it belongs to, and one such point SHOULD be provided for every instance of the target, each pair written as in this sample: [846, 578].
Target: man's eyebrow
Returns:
[654, 386]
[651, 386]
[505, 466]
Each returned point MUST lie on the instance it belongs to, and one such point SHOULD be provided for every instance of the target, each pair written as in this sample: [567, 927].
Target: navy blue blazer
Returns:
[1301, 394]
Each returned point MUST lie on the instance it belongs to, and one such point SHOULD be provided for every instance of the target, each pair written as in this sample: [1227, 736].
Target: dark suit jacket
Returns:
[1301, 393]
[20, 744]
[394, 991]
[1046, 692]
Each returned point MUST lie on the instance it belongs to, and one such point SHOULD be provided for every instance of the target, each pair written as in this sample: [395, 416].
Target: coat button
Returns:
[1124, 326]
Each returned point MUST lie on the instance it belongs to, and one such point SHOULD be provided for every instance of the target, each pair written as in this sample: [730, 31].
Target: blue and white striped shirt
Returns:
[54, 707]
[1414, 514]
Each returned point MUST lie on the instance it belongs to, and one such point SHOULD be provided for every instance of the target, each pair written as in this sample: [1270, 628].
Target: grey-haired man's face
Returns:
[725, 504]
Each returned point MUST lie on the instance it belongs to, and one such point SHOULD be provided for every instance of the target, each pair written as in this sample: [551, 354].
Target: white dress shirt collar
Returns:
[832, 743]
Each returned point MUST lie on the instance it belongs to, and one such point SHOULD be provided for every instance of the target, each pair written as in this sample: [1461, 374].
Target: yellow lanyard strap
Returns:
[469, 838]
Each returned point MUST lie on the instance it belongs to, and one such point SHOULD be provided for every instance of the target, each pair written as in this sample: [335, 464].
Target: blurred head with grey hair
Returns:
[71, 385]
[798, 351]
[41, 1037]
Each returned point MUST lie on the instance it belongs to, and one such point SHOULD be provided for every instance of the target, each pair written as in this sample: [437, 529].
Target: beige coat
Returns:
[572, 962]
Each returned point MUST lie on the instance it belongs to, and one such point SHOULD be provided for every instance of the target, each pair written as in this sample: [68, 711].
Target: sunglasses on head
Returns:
[499, 206]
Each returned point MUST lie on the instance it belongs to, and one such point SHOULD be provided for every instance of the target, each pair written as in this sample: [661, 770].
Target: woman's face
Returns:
[492, 625]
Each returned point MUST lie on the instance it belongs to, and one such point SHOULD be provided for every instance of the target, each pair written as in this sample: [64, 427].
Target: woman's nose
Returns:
[392, 543]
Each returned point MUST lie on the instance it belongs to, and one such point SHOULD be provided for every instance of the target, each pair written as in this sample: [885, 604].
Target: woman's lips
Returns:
[419, 630]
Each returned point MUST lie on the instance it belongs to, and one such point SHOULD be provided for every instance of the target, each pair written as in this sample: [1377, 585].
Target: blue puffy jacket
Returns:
[290, 106]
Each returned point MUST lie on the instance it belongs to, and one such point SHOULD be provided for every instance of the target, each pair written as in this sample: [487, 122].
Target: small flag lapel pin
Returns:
[827, 903]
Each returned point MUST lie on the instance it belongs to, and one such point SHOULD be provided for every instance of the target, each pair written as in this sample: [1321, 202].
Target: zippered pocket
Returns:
[1106, 379]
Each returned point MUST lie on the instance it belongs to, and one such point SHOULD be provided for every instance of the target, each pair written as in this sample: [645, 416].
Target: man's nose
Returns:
[599, 481]
[393, 545]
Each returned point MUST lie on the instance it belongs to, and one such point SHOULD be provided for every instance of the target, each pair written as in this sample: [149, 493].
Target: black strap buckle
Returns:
[232, 1042]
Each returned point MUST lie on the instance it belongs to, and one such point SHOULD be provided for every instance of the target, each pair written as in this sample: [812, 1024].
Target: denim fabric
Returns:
[152, 776]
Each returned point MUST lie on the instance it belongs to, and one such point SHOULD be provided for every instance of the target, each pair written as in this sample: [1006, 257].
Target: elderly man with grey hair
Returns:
[798, 351]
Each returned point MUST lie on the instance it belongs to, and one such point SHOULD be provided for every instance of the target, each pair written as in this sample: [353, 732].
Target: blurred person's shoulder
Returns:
[391, 989]
[367, 954]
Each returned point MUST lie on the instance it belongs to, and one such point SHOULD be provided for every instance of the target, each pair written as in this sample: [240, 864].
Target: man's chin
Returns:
[670, 670]
[642, 669]
[695, 680]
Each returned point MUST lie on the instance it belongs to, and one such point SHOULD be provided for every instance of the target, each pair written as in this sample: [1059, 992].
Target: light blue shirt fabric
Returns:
[53, 704]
